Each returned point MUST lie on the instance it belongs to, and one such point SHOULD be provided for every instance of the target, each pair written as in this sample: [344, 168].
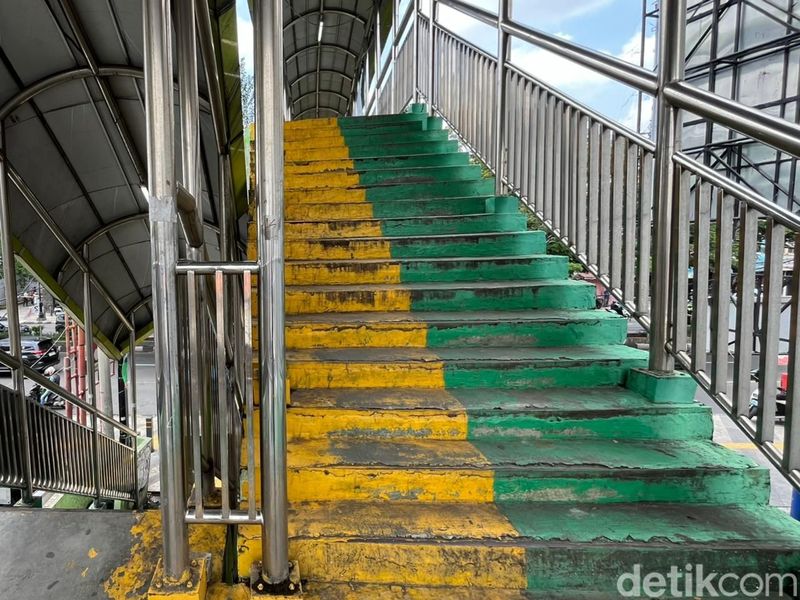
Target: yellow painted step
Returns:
[309, 124]
[318, 166]
[334, 591]
[318, 180]
[321, 273]
[321, 212]
[305, 154]
[332, 229]
[378, 543]
[307, 335]
[352, 470]
[309, 301]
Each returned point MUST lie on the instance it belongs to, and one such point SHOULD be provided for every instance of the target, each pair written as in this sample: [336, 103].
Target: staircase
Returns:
[459, 423]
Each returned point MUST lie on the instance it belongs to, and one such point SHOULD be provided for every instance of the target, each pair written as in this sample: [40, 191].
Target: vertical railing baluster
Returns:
[196, 392]
[247, 312]
[680, 252]
[604, 207]
[592, 247]
[619, 150]
[791, 448]
[644, 234]
[629, 244]
[582, 216]
[745, 284]
[700, 263]
[722, 292]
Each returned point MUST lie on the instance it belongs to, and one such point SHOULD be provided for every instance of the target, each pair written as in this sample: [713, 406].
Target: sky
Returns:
[610, 26]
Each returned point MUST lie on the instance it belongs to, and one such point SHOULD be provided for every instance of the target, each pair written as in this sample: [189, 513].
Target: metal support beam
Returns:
[503, 53]
[164, 249]
[268, 26]
[666, 191]
[91, 389]
[12, 314]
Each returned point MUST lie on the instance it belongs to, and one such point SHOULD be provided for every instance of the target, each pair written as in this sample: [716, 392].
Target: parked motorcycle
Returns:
[780, 396]
[39, 395]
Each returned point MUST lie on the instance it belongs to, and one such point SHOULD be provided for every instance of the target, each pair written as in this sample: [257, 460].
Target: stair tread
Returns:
[436, 236]
[611, 399]
[660, 524]
[548, 355]
[525, 456]
[410, 218]
[439, 285]
[457, 317]
[354, 591]
[426, 259]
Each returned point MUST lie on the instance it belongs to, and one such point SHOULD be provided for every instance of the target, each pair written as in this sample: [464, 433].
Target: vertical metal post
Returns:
[164, 249]
[393, 99]
[503, 43]
[431, 59]
[12, 313]
[133, 424]
[268, 26]
[91, 391]
[105, 401]
[671, 57]
[415, 55]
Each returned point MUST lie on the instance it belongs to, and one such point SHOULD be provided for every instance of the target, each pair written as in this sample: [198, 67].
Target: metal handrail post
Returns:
[268, 26]
[431, 59]
[91, 388]
[503, 43]
[415, 56]
[666, 191]
[12, 314]
[133, 404]
[164, 248]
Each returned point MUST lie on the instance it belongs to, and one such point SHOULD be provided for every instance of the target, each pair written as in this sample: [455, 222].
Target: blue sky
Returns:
[611, 26]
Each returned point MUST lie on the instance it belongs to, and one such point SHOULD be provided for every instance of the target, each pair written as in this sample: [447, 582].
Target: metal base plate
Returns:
[191, 587]
[291, 587]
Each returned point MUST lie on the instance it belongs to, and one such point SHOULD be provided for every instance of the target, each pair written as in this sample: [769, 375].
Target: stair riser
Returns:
[362, 166]
[360, 152]
[417, 125]
[435, 374]
[382, 177]
[543, 267]
[596, 569]
[387, 210]
[572, 485]
[512, 244]
[415, 191]
[550, 296]
[402, 227]
[364, 139]
[422, 335]
[410, 564]
[308, 423]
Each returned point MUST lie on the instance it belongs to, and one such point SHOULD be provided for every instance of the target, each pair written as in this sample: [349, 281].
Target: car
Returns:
[58, 311]
[60, 322]
[36, 353]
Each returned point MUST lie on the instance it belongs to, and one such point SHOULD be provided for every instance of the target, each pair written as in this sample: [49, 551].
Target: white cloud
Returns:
[541, 13]
[629, 120]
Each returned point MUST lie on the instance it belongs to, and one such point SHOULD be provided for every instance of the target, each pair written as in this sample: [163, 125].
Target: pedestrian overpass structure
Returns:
[374, 379]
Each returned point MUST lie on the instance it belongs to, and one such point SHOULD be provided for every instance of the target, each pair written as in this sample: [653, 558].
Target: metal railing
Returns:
[672, 240]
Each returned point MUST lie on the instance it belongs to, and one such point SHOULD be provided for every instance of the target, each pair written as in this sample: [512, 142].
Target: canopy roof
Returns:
[72, 102]
[320, 70]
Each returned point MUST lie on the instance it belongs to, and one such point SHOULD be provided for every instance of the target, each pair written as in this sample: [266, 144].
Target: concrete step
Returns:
[380, 177]
[303, 155]
[473, 245]
[444, 297]
[492, 414]
[451, 159]
[384, 551]
[353, 122]
[597, 471]
[456, 368]
[333, 128]
[362, 209]
[418, 270]
[387, 193]
[364, 138]
[527, 329]
[399, 227]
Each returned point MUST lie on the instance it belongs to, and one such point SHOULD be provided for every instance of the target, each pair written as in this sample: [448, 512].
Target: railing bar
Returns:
[541, 156]
[619, 150]
[645, 234]
[594, 193]
[791, 448]
[722, 277]
[745, 284]
[566, 136]
[222, 393]
[582, 185]
[574, 150]
[631, 176]
[247, 295]
[700, 264]
[604, 216]
[770, 332]
[680, 271]
[528, 130]
[194, 378]
[548, 166]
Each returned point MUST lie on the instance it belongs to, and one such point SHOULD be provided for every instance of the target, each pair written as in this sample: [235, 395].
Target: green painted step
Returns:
[410, 191]
[369, 139]
[482, 367]
[399, 208]
[560, 471]
[429, 124]
[499, 414]
[382, 177]
[399, 227]
[586, 548]
[442, 246]
[433, 296]
[527, 329]
[418, 270]
[450, 159]
[402, 149]
[378, 120]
